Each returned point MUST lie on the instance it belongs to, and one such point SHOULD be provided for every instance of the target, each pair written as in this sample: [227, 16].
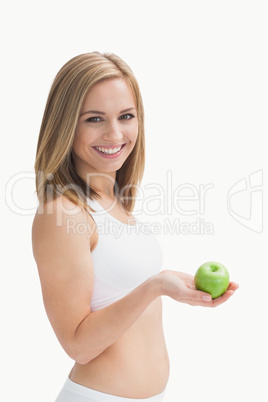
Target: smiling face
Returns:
[107, 129]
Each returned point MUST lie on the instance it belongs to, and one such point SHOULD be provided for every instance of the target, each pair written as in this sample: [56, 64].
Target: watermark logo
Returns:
[245, 201]
[167, 208]
[180, 206]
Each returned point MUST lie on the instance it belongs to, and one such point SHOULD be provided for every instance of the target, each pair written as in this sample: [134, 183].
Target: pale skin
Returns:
[119, 350]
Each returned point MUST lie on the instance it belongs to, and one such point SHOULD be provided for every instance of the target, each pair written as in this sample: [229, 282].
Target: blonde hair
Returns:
[54, 165]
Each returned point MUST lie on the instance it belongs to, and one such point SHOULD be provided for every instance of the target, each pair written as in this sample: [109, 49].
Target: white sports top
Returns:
[125, 256]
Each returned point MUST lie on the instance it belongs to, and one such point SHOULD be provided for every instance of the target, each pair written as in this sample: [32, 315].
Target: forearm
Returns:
[102, 328]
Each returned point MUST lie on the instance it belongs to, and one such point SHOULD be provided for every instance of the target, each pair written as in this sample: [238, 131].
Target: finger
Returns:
[200, 297]
[233, 286]
[204, 299]
[222, 299]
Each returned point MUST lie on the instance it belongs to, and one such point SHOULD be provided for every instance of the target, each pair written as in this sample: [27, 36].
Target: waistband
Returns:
[91, 394]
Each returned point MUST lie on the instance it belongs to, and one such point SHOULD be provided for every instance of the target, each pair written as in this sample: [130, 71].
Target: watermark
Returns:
[15, 181]
[181, 207]
[171, 207]
[185, 199]
[116, 228]
[245, 201]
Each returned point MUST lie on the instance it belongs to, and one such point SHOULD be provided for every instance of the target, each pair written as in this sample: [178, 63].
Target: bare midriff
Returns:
[136, 366]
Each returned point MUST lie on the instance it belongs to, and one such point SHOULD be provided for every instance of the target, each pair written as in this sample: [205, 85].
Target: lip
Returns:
[108, 147]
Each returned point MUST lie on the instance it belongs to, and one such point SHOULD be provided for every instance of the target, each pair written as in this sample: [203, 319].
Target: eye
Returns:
[94, 119]
[127, 116]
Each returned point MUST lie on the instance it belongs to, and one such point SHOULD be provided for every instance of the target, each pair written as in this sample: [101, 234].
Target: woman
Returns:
[101, 277]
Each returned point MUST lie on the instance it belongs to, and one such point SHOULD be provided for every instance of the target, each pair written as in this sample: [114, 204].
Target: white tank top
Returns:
[125, 256]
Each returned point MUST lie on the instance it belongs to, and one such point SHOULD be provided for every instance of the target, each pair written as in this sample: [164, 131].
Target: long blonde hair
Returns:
[54, 165]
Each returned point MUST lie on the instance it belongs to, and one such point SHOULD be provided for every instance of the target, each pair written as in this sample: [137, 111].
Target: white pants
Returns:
[73, 392]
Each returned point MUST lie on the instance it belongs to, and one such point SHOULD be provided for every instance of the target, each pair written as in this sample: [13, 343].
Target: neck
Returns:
[103, 183]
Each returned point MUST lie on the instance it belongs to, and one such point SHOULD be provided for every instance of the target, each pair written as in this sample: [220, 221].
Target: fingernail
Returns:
[206, 298]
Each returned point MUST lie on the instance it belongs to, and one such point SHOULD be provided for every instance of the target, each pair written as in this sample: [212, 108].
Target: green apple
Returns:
[213, 278]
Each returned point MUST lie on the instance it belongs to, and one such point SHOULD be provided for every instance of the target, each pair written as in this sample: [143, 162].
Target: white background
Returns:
[202, 68]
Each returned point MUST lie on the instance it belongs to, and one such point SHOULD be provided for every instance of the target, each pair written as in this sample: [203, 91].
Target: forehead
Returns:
[113, 92]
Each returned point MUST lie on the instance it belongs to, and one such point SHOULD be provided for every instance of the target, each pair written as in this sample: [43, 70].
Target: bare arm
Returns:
[63, 256]
[102, 328]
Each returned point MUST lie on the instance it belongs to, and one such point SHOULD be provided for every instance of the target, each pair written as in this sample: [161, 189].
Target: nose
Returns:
[113, 132]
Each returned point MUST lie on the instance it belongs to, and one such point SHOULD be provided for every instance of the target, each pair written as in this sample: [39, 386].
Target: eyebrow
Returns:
[98, 112]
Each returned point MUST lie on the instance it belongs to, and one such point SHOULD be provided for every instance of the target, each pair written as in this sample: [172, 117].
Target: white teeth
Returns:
[109, 151]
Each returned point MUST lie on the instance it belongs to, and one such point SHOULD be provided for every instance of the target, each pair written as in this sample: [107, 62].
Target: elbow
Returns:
[82, 359]
[79, 354]
[80, 348]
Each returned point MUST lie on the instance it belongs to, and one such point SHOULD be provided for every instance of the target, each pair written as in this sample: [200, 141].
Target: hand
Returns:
[180, 287]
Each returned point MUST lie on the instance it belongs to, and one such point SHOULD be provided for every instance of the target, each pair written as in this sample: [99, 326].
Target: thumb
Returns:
[199, 296]
[205, 296]
[202, 296]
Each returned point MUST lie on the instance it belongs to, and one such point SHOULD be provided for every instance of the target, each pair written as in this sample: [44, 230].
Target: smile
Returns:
[111, 151]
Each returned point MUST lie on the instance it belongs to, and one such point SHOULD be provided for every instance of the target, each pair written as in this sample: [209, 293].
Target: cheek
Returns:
[83, 139]
[80, 145]
[133, 133]
[77, 144]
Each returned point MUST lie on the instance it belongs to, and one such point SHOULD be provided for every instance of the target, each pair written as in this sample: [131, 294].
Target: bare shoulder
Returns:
[61, 221]
[59, 211]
